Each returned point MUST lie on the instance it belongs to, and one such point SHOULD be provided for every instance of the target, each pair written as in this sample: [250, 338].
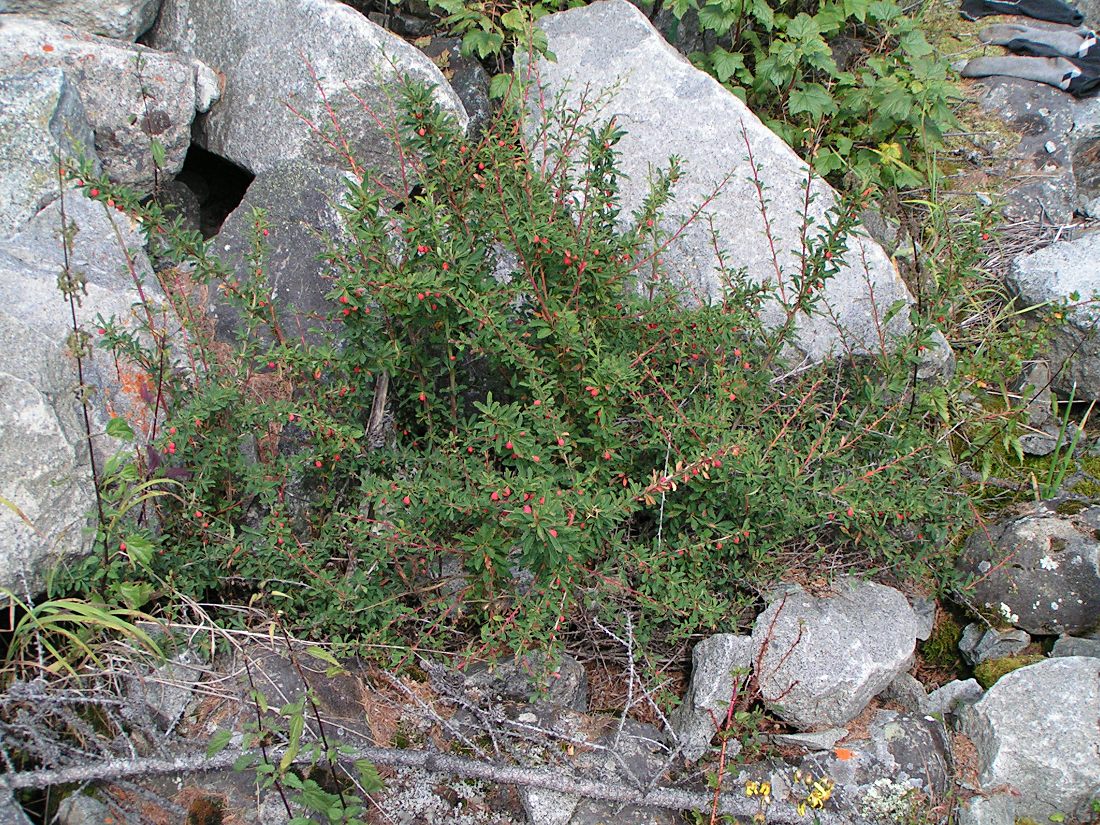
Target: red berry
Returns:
[553, 533]
[94, 193]
[406, 501]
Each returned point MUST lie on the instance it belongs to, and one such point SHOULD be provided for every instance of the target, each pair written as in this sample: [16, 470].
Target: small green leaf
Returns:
[136, 595]
[726, 64]
[218, 742]
[368, 776]
[139, 549]
[515, 20]
[118, 427]
[1057, 816]
[158, 152]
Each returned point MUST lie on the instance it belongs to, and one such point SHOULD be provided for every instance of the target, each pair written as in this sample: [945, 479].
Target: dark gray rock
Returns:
[1073, 646]
[533, 677]
[820, 660]
[636, 755]
[980, 643]
[667, 107]
[822, 740]
[119, 19]
[990, 809]
[1038, 572]
[946, 700]
[11, 812]
[1039, 115]
[166, 691]
[1035, 731]
[924, 609]
[358, 66]
[41, 116]
[80, 809]
[1050, 277]
[720, 665]
[467, 77]
[131, 94]
[907, 691]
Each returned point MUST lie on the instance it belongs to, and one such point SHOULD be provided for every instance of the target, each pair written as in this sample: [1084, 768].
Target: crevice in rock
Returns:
[219, 186]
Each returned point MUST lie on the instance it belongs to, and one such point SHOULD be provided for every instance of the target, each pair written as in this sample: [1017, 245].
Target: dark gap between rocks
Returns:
[219, 186]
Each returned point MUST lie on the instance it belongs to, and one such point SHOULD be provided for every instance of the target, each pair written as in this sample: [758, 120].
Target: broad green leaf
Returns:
[139, 550]
[803, 27]
[717, 17]
[515, 20]
[136, 594]
[813, 99]
[118, 427]
[725, 63]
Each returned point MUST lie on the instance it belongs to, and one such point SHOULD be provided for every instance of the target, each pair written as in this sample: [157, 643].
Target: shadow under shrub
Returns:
[561, 430]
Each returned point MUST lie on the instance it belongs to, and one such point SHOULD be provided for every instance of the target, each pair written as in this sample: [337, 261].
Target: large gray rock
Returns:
[1039, 572]
[44, 462]
[719, 666]
[820, 660]
[297, 199]
[120, 19]
[904, 757]
[1052, 276]
[1035, 731]
[41, 117]
[131, 94]
[667, 107]
[266, 53]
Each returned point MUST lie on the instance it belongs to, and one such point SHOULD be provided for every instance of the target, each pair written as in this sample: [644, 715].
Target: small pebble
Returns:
[1050, 147]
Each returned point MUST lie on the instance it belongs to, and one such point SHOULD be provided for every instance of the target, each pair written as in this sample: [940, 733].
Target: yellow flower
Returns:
[801, 808]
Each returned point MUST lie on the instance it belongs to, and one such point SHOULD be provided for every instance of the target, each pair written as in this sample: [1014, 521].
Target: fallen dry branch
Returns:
[550, 779]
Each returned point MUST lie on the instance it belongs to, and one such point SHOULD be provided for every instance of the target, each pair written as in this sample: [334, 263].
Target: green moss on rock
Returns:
[987, 673]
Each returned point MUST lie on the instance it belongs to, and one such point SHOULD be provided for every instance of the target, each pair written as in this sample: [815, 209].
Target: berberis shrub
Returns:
[562, 433]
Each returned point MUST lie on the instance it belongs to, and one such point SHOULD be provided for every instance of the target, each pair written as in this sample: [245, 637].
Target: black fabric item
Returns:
[1065, 73]
[1091, 57]
[1055, 11]
[1087, 83]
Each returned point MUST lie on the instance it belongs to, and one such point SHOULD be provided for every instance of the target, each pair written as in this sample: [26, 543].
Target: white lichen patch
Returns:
[888, 801]
[1010, 617]
[1047, 563]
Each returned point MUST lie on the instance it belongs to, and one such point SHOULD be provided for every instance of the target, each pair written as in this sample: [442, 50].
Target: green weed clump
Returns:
[562, 432]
